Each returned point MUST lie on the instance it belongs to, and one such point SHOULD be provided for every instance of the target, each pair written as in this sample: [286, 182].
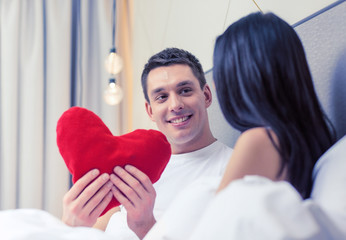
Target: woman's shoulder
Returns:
[258, 148]
[259, 137]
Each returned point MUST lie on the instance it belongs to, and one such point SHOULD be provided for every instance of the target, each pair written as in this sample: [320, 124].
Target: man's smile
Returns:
[179, 119]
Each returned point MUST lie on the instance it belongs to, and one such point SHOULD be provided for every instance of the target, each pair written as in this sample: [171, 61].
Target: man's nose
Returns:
[176, 103]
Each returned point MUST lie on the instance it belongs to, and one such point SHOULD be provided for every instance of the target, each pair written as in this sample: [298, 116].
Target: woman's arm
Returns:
[253, 154]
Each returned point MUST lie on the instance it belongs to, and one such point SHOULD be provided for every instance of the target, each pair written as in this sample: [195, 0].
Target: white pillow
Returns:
[329, 189]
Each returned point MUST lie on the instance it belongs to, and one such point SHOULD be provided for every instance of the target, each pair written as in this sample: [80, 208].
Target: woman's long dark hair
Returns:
[262, 79]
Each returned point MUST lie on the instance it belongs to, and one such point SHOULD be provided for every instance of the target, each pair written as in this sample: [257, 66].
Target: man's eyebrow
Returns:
[160, 89]
[183, 83]
[157, 90]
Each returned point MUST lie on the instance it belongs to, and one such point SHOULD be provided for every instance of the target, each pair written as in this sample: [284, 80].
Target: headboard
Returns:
[324, 38]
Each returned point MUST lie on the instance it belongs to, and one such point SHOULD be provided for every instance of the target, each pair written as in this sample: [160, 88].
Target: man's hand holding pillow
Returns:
[103, 166]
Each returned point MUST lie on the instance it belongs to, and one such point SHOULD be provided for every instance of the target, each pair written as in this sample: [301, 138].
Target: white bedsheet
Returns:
[250, 208]
[34, 224]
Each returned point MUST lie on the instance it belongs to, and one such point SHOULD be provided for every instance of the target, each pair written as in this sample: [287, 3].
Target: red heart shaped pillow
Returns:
[85, 143]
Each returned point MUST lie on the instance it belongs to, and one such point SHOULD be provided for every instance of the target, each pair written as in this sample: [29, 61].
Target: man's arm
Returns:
[134, 190]
[87, 199]
[102, 221]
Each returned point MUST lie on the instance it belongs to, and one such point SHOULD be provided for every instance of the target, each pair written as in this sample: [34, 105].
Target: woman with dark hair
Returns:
[265, 90]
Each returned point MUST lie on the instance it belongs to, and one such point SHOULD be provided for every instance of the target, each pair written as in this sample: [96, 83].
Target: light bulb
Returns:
[113, 94]
[113, 63]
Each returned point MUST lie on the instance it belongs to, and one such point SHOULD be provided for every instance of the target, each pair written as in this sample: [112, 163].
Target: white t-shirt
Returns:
[181, 170]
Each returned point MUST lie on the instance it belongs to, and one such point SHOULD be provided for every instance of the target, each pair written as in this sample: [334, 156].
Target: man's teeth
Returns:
[179, 120]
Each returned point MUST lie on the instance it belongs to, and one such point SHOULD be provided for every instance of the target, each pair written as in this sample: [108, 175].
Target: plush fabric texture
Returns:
[85, 143]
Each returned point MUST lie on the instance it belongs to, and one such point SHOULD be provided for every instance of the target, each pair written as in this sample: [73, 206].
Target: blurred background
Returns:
[53, 56]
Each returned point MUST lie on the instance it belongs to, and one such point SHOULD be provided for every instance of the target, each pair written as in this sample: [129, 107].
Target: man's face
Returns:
[178, 105]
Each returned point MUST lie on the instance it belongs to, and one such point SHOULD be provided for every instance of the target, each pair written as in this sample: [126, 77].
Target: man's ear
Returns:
[208, 98]
[149, 111]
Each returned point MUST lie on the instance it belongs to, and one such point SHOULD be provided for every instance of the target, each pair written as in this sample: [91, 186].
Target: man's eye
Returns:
[185, 90]
[161, 98]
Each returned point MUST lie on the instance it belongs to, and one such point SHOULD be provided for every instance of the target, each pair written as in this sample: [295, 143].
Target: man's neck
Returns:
[188, 147]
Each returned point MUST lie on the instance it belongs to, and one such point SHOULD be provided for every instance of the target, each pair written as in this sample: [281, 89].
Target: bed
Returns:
[253, 207]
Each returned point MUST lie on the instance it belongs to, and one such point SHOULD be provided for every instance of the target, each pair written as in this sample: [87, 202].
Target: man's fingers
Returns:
[93, 188]
[102, 205]
[141, 177]
[123, 200]
[124, 188]
[78, 187]
[86, 200]
[98, 197]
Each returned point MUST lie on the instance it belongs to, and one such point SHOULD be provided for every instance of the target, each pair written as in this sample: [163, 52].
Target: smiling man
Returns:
[178, 104]
[176, 99]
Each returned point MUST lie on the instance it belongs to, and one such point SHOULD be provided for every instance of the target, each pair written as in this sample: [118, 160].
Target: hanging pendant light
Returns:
[114, 64]
[113, 94]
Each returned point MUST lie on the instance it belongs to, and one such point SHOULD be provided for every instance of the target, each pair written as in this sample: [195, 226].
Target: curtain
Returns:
[124, 38]
[52, 57]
